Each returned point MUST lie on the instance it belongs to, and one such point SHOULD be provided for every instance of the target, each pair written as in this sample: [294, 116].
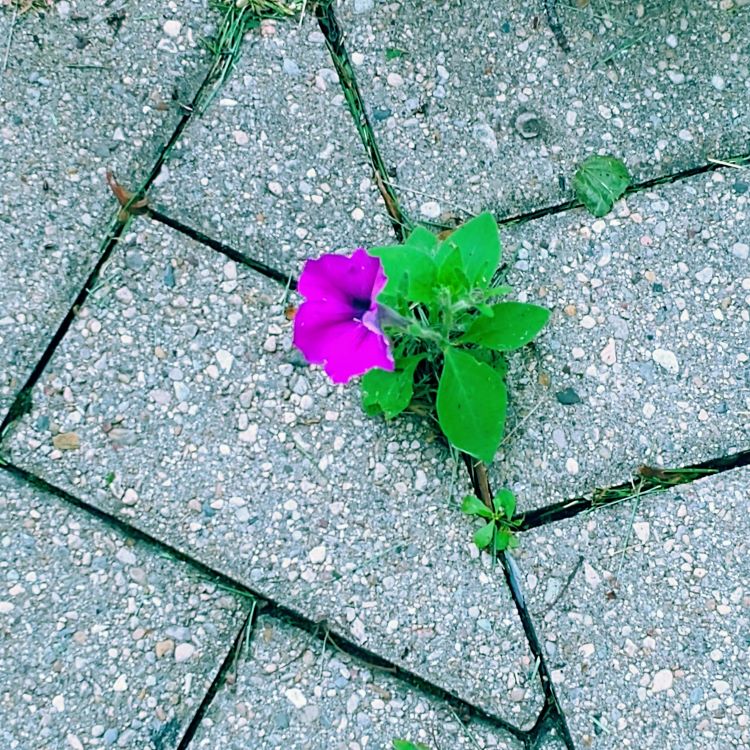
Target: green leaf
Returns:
[450, 270]
[479, 243]
[406, 745]
[390, 392]
[410, 272]
[422, 239]
[504, 539]
[512, 325]
[599, 182]
[473, 506]
[471, 405]
[393, 53]
[505, 501]
[483, 537]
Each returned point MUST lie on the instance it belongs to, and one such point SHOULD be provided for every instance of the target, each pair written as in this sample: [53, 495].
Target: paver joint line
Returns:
[269, 606]
[334, 37]
[646, 481]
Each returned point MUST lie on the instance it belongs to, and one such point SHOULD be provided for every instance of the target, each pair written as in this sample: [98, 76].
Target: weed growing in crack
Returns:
[421, 323]
[498, 532]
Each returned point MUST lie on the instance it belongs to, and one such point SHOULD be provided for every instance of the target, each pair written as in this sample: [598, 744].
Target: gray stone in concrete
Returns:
[105, 643]
[198, 422]
[477, 107]
[275, 167]
[649, 641]
[289, 693]
[88, 87]
[651, 330]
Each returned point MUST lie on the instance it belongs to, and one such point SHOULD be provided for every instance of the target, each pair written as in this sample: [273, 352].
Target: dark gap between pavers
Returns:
[476, 107]
[648, 345]
[105, 641]
[275, 168]
[86, 89]
[644, 617]
[200, 425]
[290, 692]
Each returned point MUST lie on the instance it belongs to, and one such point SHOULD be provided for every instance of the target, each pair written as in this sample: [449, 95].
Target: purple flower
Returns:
[338, 325]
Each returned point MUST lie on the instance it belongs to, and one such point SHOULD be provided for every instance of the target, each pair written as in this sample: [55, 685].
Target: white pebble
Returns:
[295, 697]
[183, 651]
[705, 275]
[394, 79]
[663, 680]
[275, 188]
[130, 497]
[741, 250]
[587, 322]
[672, 41]
[718, 82]
[609, 354]
[430, 209]
[667, 360]
[59, 703]
[241, 138]
[358, 214]
[642, 530]
[572, 466]
[225, 359]
[121, 684]
[318, 554]
[172, 28]
[685, 135]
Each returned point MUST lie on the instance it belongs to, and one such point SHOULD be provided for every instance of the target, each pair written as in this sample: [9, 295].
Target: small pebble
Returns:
[663, 680]
[296, 698]
[571, 465]
[241, 138]
[430, 209]
[172, 28]
[394, 79]
[568, 397]
[666, 359]
[318, 554]
[183, 652]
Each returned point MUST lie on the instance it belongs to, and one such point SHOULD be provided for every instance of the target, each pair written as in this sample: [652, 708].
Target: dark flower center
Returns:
[360, 306]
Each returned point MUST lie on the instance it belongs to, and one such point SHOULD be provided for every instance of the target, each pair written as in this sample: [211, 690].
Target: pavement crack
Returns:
[646, 481]
[334, 36]
[552, 718]
[118, 224]
[282, 277]
[226, 672]
[712, 165]
[270, 607]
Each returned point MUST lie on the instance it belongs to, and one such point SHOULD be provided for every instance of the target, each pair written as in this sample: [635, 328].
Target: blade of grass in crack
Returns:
[340, 57]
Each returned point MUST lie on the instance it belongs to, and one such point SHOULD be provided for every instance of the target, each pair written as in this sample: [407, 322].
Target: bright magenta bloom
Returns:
[338, 325]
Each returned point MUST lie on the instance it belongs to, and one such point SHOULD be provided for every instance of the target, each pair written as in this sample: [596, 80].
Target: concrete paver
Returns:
[275, 167]
[88, 87]
[104, 643]
[649, 341]
[649, 641]
[477, 107]
[197, 422]
[288, 694]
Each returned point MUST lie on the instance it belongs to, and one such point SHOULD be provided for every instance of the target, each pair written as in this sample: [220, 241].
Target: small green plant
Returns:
[449, 333]
[498, 532]
[599, 182]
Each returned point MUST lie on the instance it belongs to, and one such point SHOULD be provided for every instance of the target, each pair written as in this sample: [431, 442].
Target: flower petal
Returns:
[357, 350]
[340, 277]
[344, 346]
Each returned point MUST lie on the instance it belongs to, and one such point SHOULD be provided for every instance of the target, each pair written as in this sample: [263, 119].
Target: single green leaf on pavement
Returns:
[471, 405]
[599, 182]
[479, 243]
[473, 506]
[512, 325]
